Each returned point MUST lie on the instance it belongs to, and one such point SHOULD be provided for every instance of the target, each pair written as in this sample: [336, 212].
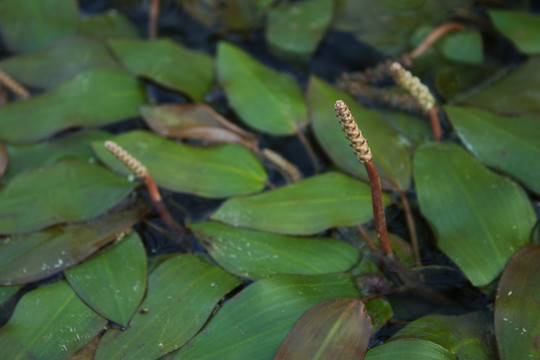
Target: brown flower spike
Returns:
[352, 132]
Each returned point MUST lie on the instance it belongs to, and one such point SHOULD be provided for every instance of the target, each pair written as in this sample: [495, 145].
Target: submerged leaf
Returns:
[214, 172]
[111, 24]
[303, 208]
[485, 217]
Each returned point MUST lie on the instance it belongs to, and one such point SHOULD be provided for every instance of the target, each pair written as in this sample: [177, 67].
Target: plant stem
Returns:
[13, 85]
[152, 19]
[434, 36]
[371, 245]
[412, 228]
[309, 150]
[378, 207]
[435, 123]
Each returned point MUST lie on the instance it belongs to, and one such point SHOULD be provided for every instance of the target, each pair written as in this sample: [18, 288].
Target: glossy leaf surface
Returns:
[517, 306]
[49, 323]
[35, 256]
[409, 349]
[255, 254]
[333, 329]
[521, 27]
[176, 67]
[182, 293]
[507, 143]
[487, 217]
[271, 102]
[391, 150]
[113, 282]
[69, 191]
[252, 324]
[93, 98]
[31, 24]
[59, 61]
[109, 24]
[464, 47]
[303, 208]
[215, 172]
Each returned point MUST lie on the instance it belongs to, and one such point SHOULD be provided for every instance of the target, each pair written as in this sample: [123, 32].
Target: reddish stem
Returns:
[371, 245]
[435, 123]
[155, 196]
[412, 229]
[434, 36]
[153, 17]
[378, 208]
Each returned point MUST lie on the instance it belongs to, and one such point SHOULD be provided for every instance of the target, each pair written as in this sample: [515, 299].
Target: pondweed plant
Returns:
[284, 253]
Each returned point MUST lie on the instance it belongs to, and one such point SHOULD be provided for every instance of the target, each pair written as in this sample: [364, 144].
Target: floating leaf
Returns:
[58, 62]
[72, 146]
[63, 192]
[509, 144]
[107, 25]
[463, 46]
[196, 121]
[31, 257]
[334, 329]
[468, 336]
[380, 311]
[31, 24]
[455, 79]
[486, 217]
[176, 67]
[391, 150]
[271, 101]
[113, 282]
[517, 305]
[214, 172]
[7, 292]
[294, 30]
[522, 28]
[49, 323]
[94, 98]
[518, 92]
[303, 208]
[182, 293]
[252, 324]
[409, 349]
[254, 254]
[4, 159]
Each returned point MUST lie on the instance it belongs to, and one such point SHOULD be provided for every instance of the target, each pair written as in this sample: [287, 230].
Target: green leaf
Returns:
[522, 28]
[35, 256]
[252, 324]
[59, 61]
[113, 282]
[517, 319]
[303, 208]
[391, 150]
[63, 192]
[214, 172]
[31, 24]
[508, 144]
[271, 102]
[7, 292]
[254, 254]
[182, 293]
[469, 337]
[486, 218]
[380, 311]
[4, 159]
[333, 329]
[72, 146]
[93, 98]
[294, 30]
[463, 46]
[107, 25]
[409, 349]
[49, 323]
[176, 67]
[518, 92]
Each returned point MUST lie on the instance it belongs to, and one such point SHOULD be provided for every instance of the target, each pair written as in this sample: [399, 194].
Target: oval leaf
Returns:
[509, 144]
[271, 102]
[254, 254]
[409, 349]
[214, 172]
[303, 208]
[176, 67]
[94, 98]
[522, 28]
[253, 323]
[391, 150]
[69, 191]
[35, 256]
[58, 62]
[49, 323]
[182, 293]
[486, 217]
[334, 329]
[517, 306]
[31, 24]
[113, 282]
[464, 46]
[109, 24]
